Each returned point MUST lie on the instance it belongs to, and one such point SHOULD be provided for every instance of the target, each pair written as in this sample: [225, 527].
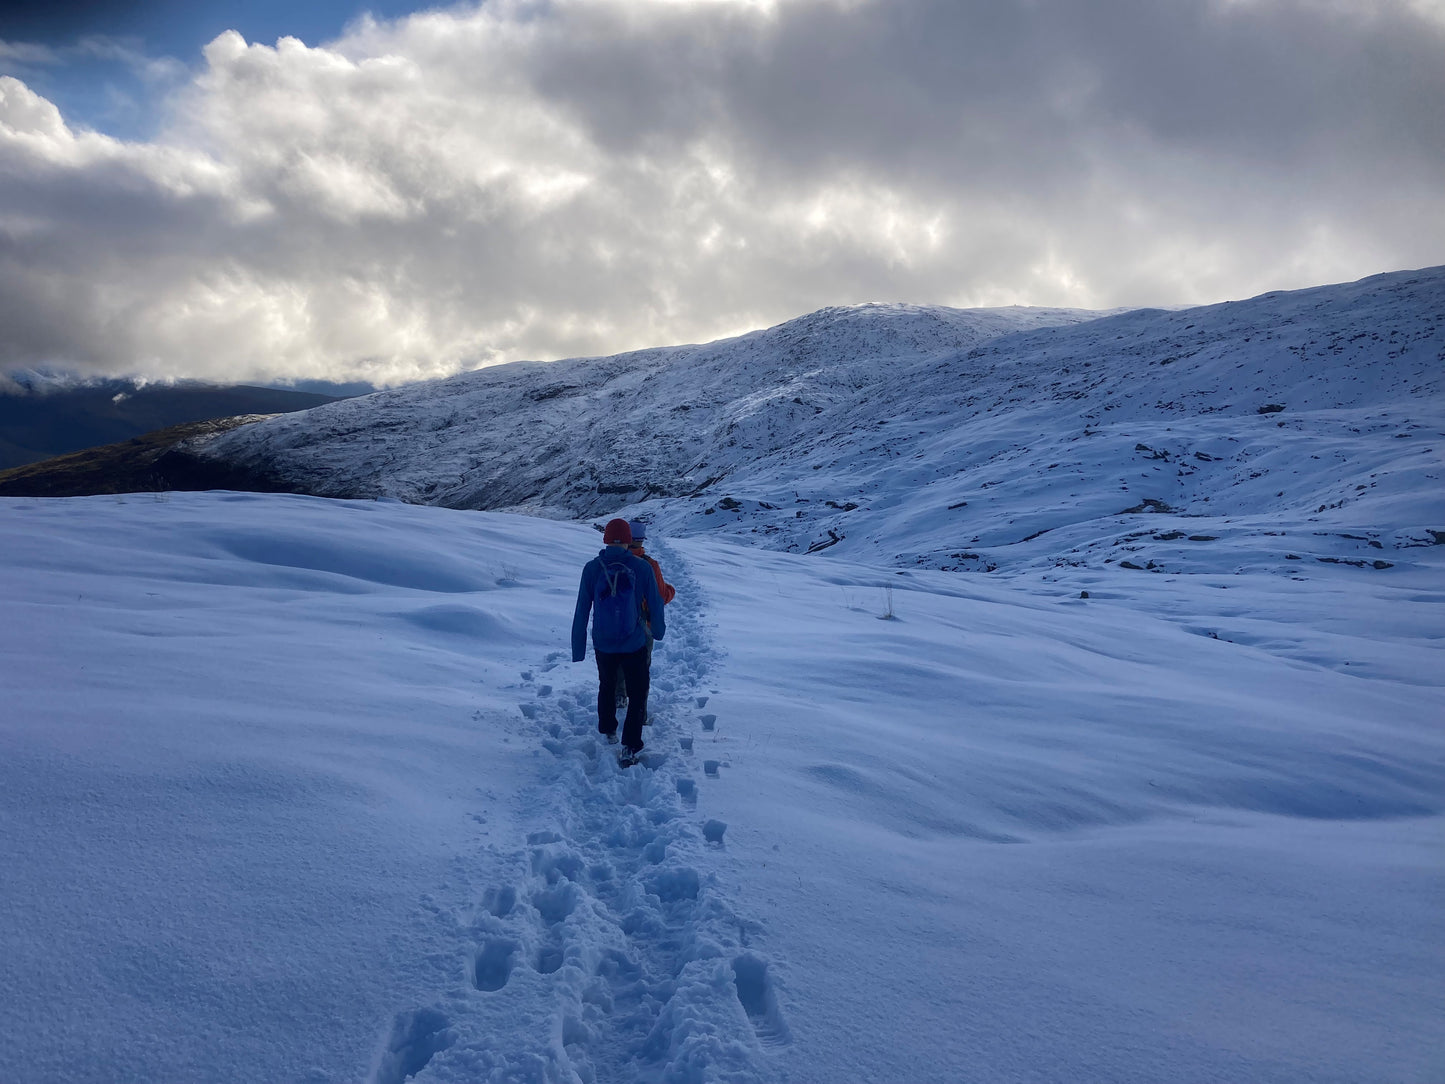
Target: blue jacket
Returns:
[647, 593]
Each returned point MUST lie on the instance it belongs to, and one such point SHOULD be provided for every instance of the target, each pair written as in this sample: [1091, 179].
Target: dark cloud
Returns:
[61, 22]
[977, 89]
[535, 180]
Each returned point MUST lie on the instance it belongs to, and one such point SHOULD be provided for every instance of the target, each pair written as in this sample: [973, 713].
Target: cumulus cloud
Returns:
[540, 179]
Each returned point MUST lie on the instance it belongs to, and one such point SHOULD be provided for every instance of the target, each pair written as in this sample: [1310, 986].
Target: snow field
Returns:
[1014, 835]
[226, 778]
[280, 804]
[297, 789]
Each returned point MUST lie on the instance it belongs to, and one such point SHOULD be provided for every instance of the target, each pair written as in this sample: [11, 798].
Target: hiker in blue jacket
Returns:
[615, 585]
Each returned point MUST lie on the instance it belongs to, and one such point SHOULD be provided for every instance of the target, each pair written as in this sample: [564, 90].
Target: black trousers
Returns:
[633, 667]
[622, 678]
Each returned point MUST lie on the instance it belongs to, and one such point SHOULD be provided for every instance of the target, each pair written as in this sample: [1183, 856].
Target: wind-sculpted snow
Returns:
[974, 440]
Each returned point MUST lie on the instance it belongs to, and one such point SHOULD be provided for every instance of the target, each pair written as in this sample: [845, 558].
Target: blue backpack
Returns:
[614, 605]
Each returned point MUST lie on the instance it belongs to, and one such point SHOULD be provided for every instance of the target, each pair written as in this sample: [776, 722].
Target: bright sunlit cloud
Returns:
[529, 180]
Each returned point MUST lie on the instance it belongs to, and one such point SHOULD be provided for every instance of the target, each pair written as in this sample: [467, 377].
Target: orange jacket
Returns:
[668, 591]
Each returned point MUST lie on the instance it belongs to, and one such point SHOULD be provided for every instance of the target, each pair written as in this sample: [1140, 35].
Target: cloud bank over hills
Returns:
[525, 180]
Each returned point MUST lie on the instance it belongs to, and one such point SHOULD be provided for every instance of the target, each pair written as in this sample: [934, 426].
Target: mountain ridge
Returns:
[918, 436]
[726, 384]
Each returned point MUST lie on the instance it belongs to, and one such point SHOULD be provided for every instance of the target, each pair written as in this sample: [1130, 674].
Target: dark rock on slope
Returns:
[153, 462]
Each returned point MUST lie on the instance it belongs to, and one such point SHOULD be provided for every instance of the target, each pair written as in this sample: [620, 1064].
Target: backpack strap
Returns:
[612, 576]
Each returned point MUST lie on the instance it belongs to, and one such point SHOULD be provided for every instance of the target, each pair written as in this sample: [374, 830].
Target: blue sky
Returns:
[105, 84]
[179, 28]
[180, 196]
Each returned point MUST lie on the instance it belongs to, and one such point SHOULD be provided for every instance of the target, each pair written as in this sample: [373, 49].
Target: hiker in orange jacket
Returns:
[668, 592]
[639, 535]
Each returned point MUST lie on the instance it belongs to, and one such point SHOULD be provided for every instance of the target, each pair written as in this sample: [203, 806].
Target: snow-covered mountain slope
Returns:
[574, 438]
[952, 439]
[296, 790]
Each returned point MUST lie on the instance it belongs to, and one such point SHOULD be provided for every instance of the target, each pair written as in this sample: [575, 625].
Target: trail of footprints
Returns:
[642, 963]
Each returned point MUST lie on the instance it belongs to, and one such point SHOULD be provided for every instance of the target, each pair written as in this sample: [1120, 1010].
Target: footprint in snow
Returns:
[500, 901]
[555, 904]
[759, 1000]
[493, 965]
[557, 865]
[414, 1038]
[549, 959]
[674, 885]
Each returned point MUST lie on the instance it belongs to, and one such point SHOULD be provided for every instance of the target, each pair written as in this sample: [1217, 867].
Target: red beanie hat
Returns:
[617, 532]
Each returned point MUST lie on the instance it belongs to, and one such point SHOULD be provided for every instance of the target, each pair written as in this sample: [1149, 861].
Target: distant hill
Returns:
[40, 421]
[150, 463]
[581, 436]
[978, 440]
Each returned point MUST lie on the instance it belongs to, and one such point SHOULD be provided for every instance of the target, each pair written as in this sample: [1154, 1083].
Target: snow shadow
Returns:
[415, 1038]
[759, 1000]
[356, 559]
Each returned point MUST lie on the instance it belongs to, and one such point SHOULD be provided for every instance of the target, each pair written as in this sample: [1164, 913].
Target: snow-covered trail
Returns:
[612, 950]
